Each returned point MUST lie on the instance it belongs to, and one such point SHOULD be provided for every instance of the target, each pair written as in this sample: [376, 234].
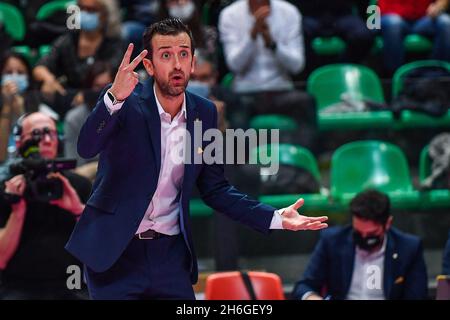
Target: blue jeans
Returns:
[394, 29]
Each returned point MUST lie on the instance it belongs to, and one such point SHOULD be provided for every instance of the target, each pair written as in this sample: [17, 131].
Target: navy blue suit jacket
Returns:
[129, 143]
[331, 266]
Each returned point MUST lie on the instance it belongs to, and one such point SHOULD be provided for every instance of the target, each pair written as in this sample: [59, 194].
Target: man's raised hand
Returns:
[126, 78]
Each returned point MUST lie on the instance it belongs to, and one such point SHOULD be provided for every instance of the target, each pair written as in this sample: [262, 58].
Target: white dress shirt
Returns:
[255, 67]
[368, 274]
[162, 214]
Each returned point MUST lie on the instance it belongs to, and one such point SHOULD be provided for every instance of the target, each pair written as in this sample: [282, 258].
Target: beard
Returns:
[168, 89]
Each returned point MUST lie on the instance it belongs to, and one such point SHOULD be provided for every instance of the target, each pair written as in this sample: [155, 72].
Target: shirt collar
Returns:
[161, 110]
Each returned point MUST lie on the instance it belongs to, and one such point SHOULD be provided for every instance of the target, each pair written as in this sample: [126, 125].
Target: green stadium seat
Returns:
[326, 46]
[362, 165]
[26, 52]
[273, 121]
[300, 157]
[13, 21]
[328, 83]
[48, 9]
[411, 119]
[44, 50]
[435, 198]
[413, 43]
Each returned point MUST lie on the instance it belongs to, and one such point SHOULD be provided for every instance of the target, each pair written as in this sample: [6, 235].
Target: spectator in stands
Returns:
[369, 260]
[263, 48]
[33, 233]
[424, 17]
[139, 15]
[446, 258]
[189, 12]
[16, 96]
[73, 53]
[99, 75]
[323, 18]
[263, 44]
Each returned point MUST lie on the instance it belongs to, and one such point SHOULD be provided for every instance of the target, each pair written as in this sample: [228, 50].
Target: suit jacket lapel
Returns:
[192, 115]
[147, 103]
[390, 265]
[348, 262]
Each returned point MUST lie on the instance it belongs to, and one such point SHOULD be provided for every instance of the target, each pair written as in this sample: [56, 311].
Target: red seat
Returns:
[230, 286]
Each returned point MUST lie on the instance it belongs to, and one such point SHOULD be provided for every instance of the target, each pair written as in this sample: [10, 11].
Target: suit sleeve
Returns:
[416, 281]
[220, 195]
[314, 278]
[99, 127]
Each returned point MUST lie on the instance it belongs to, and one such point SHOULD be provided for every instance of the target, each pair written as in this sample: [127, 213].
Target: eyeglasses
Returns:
[39, 134]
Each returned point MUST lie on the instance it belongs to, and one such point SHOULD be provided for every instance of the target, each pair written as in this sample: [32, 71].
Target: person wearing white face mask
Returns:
[98, 39]
[16, 98]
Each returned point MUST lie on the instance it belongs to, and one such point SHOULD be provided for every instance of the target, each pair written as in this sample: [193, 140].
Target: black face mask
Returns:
[367, 243]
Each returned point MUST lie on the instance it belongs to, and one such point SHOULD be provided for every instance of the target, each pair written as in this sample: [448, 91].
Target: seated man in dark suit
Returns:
[368, 260]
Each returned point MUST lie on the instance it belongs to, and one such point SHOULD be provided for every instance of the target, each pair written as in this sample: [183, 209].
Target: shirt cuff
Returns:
[109, 105]
[307, 294]
[277, 220]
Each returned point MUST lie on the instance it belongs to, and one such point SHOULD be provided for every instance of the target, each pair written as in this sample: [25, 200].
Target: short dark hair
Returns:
[166, 27]
[371, 205]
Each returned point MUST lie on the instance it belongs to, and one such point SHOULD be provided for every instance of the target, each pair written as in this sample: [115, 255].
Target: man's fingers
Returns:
[320, 219]
[298, 203]
[137, 60]
[126, 57]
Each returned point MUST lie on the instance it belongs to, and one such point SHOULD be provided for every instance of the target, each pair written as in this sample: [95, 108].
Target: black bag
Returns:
[289, 180]
[426, 90]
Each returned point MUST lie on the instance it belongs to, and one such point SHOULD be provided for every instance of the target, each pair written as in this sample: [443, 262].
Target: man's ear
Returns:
[194, 61]
[148, 65]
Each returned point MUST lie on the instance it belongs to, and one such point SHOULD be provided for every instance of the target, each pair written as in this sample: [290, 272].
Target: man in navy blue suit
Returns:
[369, 260]
[134, 235]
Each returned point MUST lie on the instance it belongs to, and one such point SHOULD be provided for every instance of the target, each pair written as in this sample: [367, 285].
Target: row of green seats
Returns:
[355, 167]
[14, 23]
[329, 83]
[326, 46]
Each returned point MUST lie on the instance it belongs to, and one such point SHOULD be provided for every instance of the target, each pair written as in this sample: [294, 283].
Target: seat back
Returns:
[273, 121]
[361, 165]
[328, 83]
[293, 155]
[230, 286]
[13, 21]
[49, 9]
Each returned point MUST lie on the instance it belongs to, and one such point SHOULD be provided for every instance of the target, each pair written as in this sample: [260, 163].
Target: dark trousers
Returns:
[148, 269]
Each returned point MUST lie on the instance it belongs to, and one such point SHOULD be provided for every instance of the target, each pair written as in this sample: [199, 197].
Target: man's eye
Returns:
[165, 55]
[184, 54]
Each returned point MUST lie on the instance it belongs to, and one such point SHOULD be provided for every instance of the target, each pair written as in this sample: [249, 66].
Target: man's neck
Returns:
[171, 105]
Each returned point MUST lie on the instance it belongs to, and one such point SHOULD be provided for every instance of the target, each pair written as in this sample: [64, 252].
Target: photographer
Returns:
[33, 231]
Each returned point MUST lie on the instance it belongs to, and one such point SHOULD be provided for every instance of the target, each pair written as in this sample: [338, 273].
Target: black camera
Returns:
[35, 170]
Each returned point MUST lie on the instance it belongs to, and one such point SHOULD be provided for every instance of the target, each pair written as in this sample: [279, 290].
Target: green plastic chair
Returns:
[413, 43]
[411, 119]
[435, 198]
[273, 121]
[26, 52]
[13, 21]
[44, 50]
[361, 165]
[300, 157]
[325, 46]
[328, 83]
[48, 9]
